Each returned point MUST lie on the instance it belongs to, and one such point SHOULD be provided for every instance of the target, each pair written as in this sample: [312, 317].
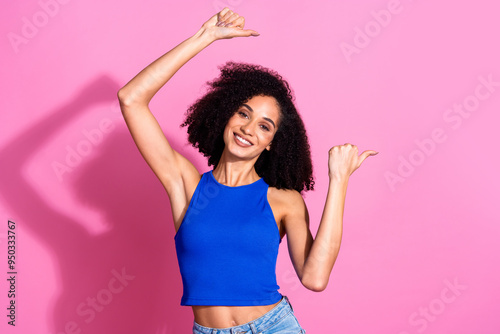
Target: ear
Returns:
[269, 146]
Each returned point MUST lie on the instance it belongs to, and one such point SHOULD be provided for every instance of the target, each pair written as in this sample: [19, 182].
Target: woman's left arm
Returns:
[314, 259]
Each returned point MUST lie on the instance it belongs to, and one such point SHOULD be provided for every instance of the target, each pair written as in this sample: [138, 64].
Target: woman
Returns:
[229, 221]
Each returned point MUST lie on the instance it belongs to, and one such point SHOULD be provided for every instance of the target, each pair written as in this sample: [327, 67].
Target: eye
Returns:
[242, 114]
[265, 127]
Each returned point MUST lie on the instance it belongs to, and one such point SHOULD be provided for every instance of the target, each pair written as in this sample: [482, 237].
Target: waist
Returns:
[230, 316]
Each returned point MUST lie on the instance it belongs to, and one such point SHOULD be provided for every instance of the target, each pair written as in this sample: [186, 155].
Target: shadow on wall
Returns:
[125, 280]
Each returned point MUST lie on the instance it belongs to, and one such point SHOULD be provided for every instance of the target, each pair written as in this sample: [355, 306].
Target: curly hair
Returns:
[287, 165]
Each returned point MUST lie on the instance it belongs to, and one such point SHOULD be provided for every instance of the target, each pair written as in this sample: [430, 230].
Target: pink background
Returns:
[420, 251]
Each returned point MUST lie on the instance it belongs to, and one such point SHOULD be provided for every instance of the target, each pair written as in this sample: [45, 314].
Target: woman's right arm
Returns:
[176, 173]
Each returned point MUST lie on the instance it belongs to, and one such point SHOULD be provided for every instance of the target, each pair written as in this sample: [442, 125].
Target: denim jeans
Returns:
[280, 319]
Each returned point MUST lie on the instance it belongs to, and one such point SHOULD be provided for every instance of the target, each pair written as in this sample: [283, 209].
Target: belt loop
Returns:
[253, 328]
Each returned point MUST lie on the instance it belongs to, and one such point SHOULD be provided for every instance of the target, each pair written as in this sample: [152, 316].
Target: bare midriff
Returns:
[228, 316]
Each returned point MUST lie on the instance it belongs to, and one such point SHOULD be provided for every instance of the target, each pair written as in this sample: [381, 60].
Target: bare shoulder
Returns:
[287, 205]
[286, 197]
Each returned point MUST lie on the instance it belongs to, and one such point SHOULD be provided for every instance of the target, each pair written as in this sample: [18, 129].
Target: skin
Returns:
[256, 122]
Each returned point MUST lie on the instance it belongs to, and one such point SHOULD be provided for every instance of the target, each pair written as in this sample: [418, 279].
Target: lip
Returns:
[241, 143]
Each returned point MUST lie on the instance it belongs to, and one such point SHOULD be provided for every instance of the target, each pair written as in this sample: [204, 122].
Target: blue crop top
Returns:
[227, 246]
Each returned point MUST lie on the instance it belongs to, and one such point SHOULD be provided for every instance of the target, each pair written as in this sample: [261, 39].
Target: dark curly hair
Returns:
[287, 165]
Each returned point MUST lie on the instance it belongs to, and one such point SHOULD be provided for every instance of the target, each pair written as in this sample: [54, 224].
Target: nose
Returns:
[248, 128]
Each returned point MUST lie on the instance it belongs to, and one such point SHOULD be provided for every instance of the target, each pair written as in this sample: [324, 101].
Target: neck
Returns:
[235, 173]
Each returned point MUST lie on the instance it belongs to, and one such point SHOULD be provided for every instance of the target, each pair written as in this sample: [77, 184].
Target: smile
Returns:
[242, 140]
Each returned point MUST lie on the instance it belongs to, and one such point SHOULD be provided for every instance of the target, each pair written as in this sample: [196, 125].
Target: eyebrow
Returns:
[266, 118]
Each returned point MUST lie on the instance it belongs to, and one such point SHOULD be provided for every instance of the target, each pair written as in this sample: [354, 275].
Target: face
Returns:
[251, 129]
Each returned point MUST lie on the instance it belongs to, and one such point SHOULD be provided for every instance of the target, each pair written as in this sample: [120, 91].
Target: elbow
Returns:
[317, 287]
[314, 284]
[124, 98]
[128, 102]
[130, 98]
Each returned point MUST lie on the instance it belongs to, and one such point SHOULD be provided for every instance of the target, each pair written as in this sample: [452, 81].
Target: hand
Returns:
[227, 24]
[343, 160]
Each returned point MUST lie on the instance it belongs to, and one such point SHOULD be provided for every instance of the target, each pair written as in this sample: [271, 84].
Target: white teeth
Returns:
[243, 140]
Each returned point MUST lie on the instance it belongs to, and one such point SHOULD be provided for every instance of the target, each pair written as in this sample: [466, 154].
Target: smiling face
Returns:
[252, 127]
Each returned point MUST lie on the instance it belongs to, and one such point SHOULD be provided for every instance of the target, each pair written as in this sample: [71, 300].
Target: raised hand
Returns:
[227, 24]
[343, 160]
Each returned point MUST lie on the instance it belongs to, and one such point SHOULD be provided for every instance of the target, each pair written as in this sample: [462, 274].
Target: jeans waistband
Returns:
[275, 314]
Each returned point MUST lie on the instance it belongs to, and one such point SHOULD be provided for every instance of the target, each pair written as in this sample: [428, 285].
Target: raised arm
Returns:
[313, 260]
[176, 173]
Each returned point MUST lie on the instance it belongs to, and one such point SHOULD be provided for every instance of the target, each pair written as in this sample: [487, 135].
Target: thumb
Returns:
[246, 33]
[366, 154]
